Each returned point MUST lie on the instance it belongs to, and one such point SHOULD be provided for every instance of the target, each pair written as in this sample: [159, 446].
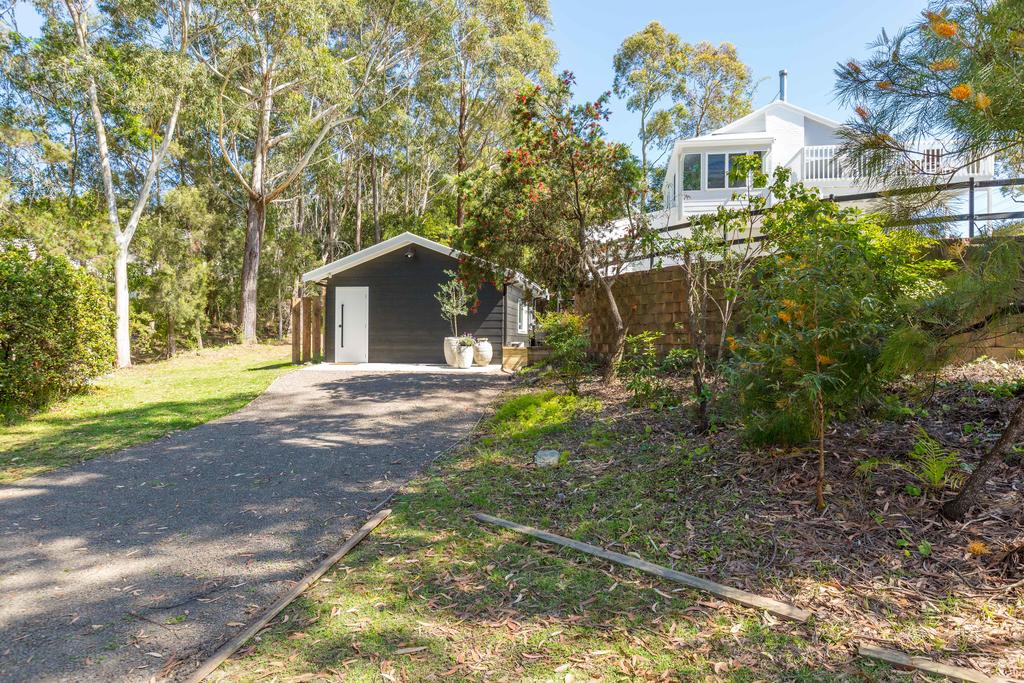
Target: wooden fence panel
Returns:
[296, 331]
[307, 305]
[317, 327]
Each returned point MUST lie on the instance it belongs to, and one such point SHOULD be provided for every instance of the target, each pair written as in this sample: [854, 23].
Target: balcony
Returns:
[822, 165]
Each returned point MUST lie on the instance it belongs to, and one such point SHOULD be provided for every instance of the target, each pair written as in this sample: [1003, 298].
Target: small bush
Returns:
[642, 370]
[56, 330]
[569, 338]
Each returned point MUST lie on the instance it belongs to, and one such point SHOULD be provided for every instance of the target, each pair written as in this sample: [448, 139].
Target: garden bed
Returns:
[432, 595]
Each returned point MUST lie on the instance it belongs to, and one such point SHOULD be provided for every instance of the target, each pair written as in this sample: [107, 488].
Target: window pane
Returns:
[762, 182]
[691, 172]
[716, 171]
[735, 181]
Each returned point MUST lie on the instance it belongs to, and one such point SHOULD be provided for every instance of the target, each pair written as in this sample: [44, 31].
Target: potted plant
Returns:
[454, 298]
[482, 351]
[464, 352]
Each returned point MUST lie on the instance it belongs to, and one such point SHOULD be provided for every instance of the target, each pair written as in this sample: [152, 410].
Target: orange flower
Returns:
[731, 343]
[944, 29]
[784, 316]
[823, 359]
[789, 362]
[789, 303]
[977, 548]
[853, 66]
[961, 92]
[982, 101]
[884, 85]
[947, 64]
[862, 112]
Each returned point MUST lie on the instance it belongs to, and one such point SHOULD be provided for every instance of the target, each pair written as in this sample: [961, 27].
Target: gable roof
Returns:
[777, 104]
[395, 243]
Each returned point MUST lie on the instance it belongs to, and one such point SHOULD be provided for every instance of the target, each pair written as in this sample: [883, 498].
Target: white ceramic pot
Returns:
[464, 356]
[449, 350]
[482, 352]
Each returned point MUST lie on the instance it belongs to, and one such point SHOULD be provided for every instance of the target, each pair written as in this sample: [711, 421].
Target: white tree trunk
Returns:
[122, 335]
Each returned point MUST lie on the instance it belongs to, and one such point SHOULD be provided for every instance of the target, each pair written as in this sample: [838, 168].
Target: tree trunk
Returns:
[618, 326]
[970, 494]
[250, 266]
[359, 209]
[373, 198]
[460, 151]
[819, 488]
[122, 334]
[696, 309]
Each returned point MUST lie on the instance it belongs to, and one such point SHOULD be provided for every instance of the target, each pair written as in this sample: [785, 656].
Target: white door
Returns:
[351, 324]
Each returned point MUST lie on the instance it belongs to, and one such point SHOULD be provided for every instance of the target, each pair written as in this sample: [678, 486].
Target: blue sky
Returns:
[805, 37]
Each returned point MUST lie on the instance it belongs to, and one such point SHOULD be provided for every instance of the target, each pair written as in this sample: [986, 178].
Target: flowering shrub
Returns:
[56, 330]
[817, 317]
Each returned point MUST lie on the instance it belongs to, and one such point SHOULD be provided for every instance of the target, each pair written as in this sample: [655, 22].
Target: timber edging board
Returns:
[230, 647]
[742, 597]
[904, 661]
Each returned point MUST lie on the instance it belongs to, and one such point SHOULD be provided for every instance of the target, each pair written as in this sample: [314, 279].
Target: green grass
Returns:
[139, 404]
[431, 595]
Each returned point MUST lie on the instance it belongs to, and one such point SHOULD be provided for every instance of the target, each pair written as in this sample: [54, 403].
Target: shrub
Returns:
[817, 317]
[642, 370]
[569, 338]
[56, 330]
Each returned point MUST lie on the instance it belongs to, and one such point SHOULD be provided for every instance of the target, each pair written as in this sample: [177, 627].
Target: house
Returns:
[697, 179]
[380, 305]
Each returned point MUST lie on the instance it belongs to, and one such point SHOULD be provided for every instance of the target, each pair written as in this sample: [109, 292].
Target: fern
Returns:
[935, 467]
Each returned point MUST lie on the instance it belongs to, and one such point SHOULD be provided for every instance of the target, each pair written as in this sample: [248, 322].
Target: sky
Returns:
[805, 37]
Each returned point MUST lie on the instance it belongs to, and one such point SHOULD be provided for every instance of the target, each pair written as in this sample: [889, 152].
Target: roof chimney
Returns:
[782, 84]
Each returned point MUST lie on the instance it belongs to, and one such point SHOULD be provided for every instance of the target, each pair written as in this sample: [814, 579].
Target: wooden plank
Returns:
[905, 661]
[317, 331]
[736, 595]
[307, 306]
[296, 331]
[230, 647]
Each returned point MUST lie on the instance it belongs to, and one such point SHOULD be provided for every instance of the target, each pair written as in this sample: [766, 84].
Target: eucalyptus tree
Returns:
[129, 61]
[495, 48]
[679, 90]
[289, 74]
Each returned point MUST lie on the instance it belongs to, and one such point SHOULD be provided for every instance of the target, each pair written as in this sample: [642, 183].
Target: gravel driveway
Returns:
[129, 563]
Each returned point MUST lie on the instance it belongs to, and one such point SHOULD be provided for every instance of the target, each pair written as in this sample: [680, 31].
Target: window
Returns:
[523, 318]
[735, 180]
[716, 171]
[691, 172]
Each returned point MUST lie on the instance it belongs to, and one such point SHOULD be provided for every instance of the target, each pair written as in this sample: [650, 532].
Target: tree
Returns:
[701, 87]
[122, 78]
[497, 47]
[563, 205]
[979, 300]
[455, 299]
[648, 66]
[954, 77]
[817, 313]
[289, 74]
[719, 255]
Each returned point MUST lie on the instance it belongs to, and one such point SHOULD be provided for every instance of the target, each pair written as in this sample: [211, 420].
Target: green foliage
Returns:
[455, 298]
[568, 335]
[642, 370]
[818, 314]
[56, 330]
[528, 416]
[933, 466]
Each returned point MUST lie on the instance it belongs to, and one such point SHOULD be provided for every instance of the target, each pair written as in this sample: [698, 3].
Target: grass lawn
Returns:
[139, 404]
[431, 595]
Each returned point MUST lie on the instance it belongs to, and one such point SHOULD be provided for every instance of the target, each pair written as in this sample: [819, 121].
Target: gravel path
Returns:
[145, 559]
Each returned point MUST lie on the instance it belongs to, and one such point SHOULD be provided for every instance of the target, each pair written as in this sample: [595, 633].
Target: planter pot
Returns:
[463, 356]
[449, 350]
[482, 352]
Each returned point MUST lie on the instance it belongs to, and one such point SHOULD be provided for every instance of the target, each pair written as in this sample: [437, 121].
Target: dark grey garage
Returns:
[380, 305]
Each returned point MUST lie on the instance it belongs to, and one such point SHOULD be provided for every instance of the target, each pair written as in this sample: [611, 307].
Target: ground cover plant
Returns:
[432, 595]
[136, 405]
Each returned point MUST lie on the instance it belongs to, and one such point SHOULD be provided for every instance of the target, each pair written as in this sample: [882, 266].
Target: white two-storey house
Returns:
[697, 179]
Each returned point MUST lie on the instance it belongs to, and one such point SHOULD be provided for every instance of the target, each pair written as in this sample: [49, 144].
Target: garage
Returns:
[380, 304]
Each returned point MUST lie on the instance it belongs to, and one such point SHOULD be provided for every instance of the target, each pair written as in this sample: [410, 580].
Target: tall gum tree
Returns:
[288, 73]
[132, 99]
